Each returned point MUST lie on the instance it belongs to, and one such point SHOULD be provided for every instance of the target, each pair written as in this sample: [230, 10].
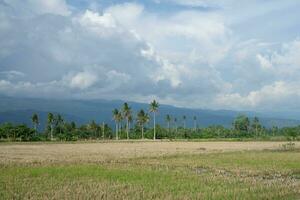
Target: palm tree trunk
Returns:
[117, 131]
[51, 132]
[168, 127]
[256, 131]
[154, 133]
[103, 130]
[127, 130]
[195, 126]
[35, 128]
[142, 131]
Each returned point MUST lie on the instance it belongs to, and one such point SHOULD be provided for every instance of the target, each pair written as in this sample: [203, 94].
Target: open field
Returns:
[149, 170]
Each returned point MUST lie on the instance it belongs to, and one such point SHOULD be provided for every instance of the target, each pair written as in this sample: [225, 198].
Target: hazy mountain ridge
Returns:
[19, 110]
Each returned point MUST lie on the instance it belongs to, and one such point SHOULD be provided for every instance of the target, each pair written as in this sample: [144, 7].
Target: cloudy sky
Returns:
[217, 54]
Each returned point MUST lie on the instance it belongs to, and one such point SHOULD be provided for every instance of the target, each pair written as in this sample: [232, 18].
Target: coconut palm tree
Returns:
[130, 120]
[175, 122]
[50, 120]
[127, 113]
[103, 130]
[35, 121]
[195, 123]
[168, 120]
[116, 115]
[154, 109]
[142, 118]
[120, 119]
[59, 121]
[93, 127]
[184, 119]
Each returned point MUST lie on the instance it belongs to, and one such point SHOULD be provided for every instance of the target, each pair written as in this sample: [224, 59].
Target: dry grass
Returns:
[108, 151]
[149, 170]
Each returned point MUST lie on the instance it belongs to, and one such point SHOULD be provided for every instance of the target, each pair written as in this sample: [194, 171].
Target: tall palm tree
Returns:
[130, 120]
[142, 118]
[195, 123]
[127, 113]
[184, 119]
[175, 122]
[168, 120]
[116, 115]
[35, 121]
[119, 120]
[154, 109]
[50, 120]
[59, 121]
[103, 130]
[93, 127]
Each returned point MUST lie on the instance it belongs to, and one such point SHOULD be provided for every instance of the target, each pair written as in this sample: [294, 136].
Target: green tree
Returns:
[168, 120]
[73, 125]
[116, 117]
[256, 126]
[35, 121]
[184, 121]
[59, 121]
[127, 114]
[154, 109]
[130, 120]
[142, 118]
[175, 122]
[195, 123]
[93, 127]
[242, 123]
[50, 121]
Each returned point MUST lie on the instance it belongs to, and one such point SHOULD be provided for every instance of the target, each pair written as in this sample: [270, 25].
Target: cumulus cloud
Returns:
[190, 56]
[83, 80]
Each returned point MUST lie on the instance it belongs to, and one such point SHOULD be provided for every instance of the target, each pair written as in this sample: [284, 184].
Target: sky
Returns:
[212, 54]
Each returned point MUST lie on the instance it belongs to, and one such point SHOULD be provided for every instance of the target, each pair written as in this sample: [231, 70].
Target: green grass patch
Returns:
[235, 175]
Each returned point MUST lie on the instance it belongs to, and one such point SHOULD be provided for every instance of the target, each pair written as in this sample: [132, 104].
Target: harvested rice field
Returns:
[149, 170]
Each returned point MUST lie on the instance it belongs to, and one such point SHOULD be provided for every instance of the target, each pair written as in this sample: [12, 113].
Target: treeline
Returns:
[130, 125]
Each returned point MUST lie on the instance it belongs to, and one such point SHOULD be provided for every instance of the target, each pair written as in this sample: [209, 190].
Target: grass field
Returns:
[149, 170]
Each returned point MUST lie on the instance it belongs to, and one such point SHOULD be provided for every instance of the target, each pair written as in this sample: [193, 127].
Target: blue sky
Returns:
[217, 54]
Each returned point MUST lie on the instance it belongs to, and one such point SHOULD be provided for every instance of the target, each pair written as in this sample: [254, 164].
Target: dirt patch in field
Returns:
[114, 151]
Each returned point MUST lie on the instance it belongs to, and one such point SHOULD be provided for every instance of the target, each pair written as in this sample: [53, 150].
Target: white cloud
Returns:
[268, 97]
[264, 63]
[83, 80]
[11, 74]
[188, 56]
[95, 21]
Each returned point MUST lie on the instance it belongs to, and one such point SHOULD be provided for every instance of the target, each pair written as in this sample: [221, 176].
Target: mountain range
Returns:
[19, 110]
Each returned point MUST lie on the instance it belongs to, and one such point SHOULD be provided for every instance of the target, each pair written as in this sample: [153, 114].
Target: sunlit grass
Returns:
[265, 174]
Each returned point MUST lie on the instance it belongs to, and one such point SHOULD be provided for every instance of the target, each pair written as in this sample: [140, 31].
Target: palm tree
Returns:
[59, 121]
[184, 118]
[119, 120]
[168, 120]
[127, 113]
[175, 121]
[195, 123]
[130, 119]
[50, 120]
[116, 115]
[154, 109]
[103, 130]
[35, 121]
[142, 118]
[93, 127]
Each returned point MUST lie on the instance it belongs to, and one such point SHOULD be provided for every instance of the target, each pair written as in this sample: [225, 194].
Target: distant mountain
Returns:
[19, 110]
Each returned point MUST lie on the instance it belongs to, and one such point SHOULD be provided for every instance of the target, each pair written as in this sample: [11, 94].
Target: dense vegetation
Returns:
[137, 126]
